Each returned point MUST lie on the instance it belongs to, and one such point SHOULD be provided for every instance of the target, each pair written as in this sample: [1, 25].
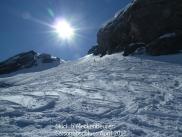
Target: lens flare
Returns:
[64, 29]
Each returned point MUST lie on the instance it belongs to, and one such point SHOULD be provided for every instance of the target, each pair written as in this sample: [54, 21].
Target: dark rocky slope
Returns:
[27, 60]
[155, 25]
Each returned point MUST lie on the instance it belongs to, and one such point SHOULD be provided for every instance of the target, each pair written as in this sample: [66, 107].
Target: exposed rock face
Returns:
[132, 48]
[143, 21]
[165, 45]
[26, 60]
[94, 50]
[47, 58]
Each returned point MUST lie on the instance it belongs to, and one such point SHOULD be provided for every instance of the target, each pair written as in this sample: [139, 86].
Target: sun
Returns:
[64, 30]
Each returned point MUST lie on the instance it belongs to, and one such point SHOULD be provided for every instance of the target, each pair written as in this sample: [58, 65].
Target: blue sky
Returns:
[24, 25]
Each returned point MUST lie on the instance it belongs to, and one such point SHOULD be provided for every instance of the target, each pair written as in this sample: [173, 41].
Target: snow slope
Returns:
[134, 96]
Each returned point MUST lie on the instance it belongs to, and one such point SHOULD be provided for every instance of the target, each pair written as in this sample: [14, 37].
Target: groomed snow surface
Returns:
[132, 96]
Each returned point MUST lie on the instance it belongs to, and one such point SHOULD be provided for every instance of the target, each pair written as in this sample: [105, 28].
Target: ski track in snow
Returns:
[138, 97]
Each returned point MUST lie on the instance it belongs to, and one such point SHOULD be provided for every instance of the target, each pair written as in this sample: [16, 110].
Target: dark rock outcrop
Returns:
[168, 44]
[23, 60]
[131, 48]
[47, 58]
[142, 21]
[26, 60]
[94, 50]
[97, 50]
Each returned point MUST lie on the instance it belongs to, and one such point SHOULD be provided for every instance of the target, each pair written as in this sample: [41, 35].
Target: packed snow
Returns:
[128, 96]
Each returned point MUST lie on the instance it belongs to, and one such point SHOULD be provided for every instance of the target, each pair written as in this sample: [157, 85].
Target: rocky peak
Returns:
[142, 21]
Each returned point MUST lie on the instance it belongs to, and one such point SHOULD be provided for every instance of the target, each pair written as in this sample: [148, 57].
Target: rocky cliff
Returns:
[155, 25]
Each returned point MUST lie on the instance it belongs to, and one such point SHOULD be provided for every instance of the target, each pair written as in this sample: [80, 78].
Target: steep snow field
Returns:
[133, 96]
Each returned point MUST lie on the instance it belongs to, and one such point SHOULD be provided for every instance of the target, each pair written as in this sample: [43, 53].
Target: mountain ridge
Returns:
[27, 60]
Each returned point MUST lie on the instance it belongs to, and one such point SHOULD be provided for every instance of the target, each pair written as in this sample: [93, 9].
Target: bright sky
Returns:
[28, 25]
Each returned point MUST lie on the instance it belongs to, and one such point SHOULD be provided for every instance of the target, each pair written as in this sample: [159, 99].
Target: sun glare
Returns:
[64, 29]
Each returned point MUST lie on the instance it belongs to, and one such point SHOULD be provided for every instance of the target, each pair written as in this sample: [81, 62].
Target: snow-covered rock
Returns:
[28, 60]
